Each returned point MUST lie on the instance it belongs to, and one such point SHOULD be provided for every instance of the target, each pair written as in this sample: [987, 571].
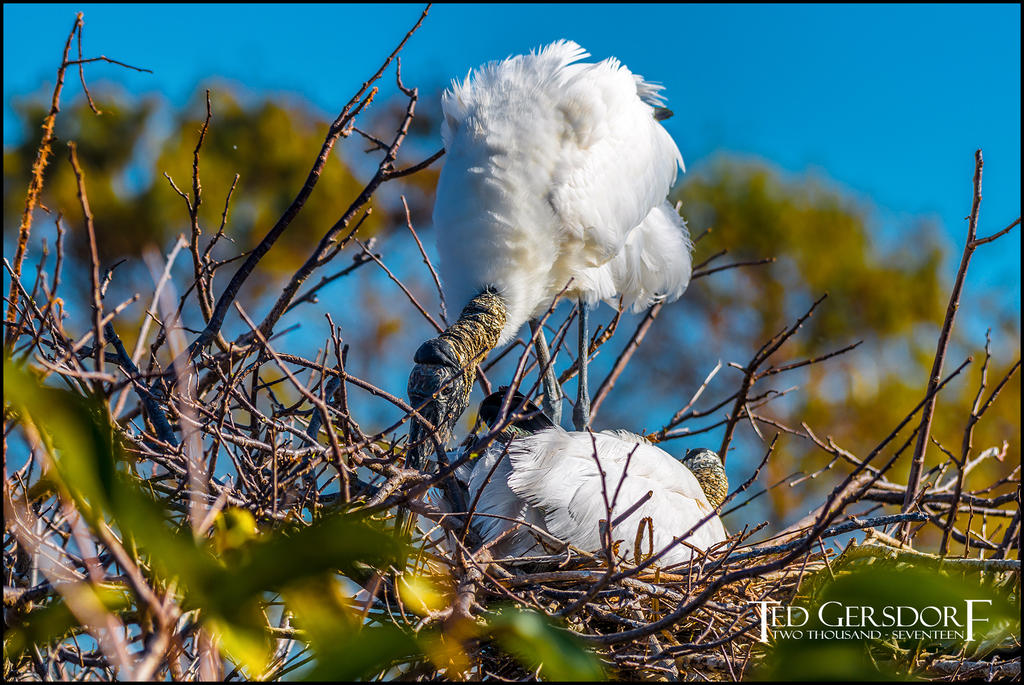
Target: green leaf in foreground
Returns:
[535, 642]
[345, 648]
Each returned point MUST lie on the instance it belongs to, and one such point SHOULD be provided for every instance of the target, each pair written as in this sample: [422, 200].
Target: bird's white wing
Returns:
[556, 471]
[498, 508]
[502, 83]
[654, 262]
[616, 161]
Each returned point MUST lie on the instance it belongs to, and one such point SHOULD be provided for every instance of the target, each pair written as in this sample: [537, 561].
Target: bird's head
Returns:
[710, 473]
[439, 387]
[527, 416]
[445, 367]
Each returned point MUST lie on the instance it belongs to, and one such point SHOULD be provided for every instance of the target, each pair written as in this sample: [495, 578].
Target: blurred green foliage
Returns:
[556, 653]
[822, 241]
[270, 143]
[126, 151]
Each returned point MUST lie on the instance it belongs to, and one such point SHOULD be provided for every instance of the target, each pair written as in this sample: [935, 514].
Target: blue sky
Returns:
[888, 101]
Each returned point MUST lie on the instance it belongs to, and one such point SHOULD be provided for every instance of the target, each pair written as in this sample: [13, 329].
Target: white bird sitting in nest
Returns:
[554, 182]
[563, 483]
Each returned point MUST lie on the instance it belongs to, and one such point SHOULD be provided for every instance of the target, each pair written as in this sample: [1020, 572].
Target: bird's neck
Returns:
[477, 330]
[713, 482]
[467, 342]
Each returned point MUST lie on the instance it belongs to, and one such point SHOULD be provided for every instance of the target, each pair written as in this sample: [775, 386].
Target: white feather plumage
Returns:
[556, 169]
[553, 481]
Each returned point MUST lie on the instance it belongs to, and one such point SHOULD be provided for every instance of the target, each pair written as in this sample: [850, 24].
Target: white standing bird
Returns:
[564, 483]
[556, 174]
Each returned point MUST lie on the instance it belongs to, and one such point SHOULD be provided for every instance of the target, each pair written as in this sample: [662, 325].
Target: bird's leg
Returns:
[581, 412]
[552, 404]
